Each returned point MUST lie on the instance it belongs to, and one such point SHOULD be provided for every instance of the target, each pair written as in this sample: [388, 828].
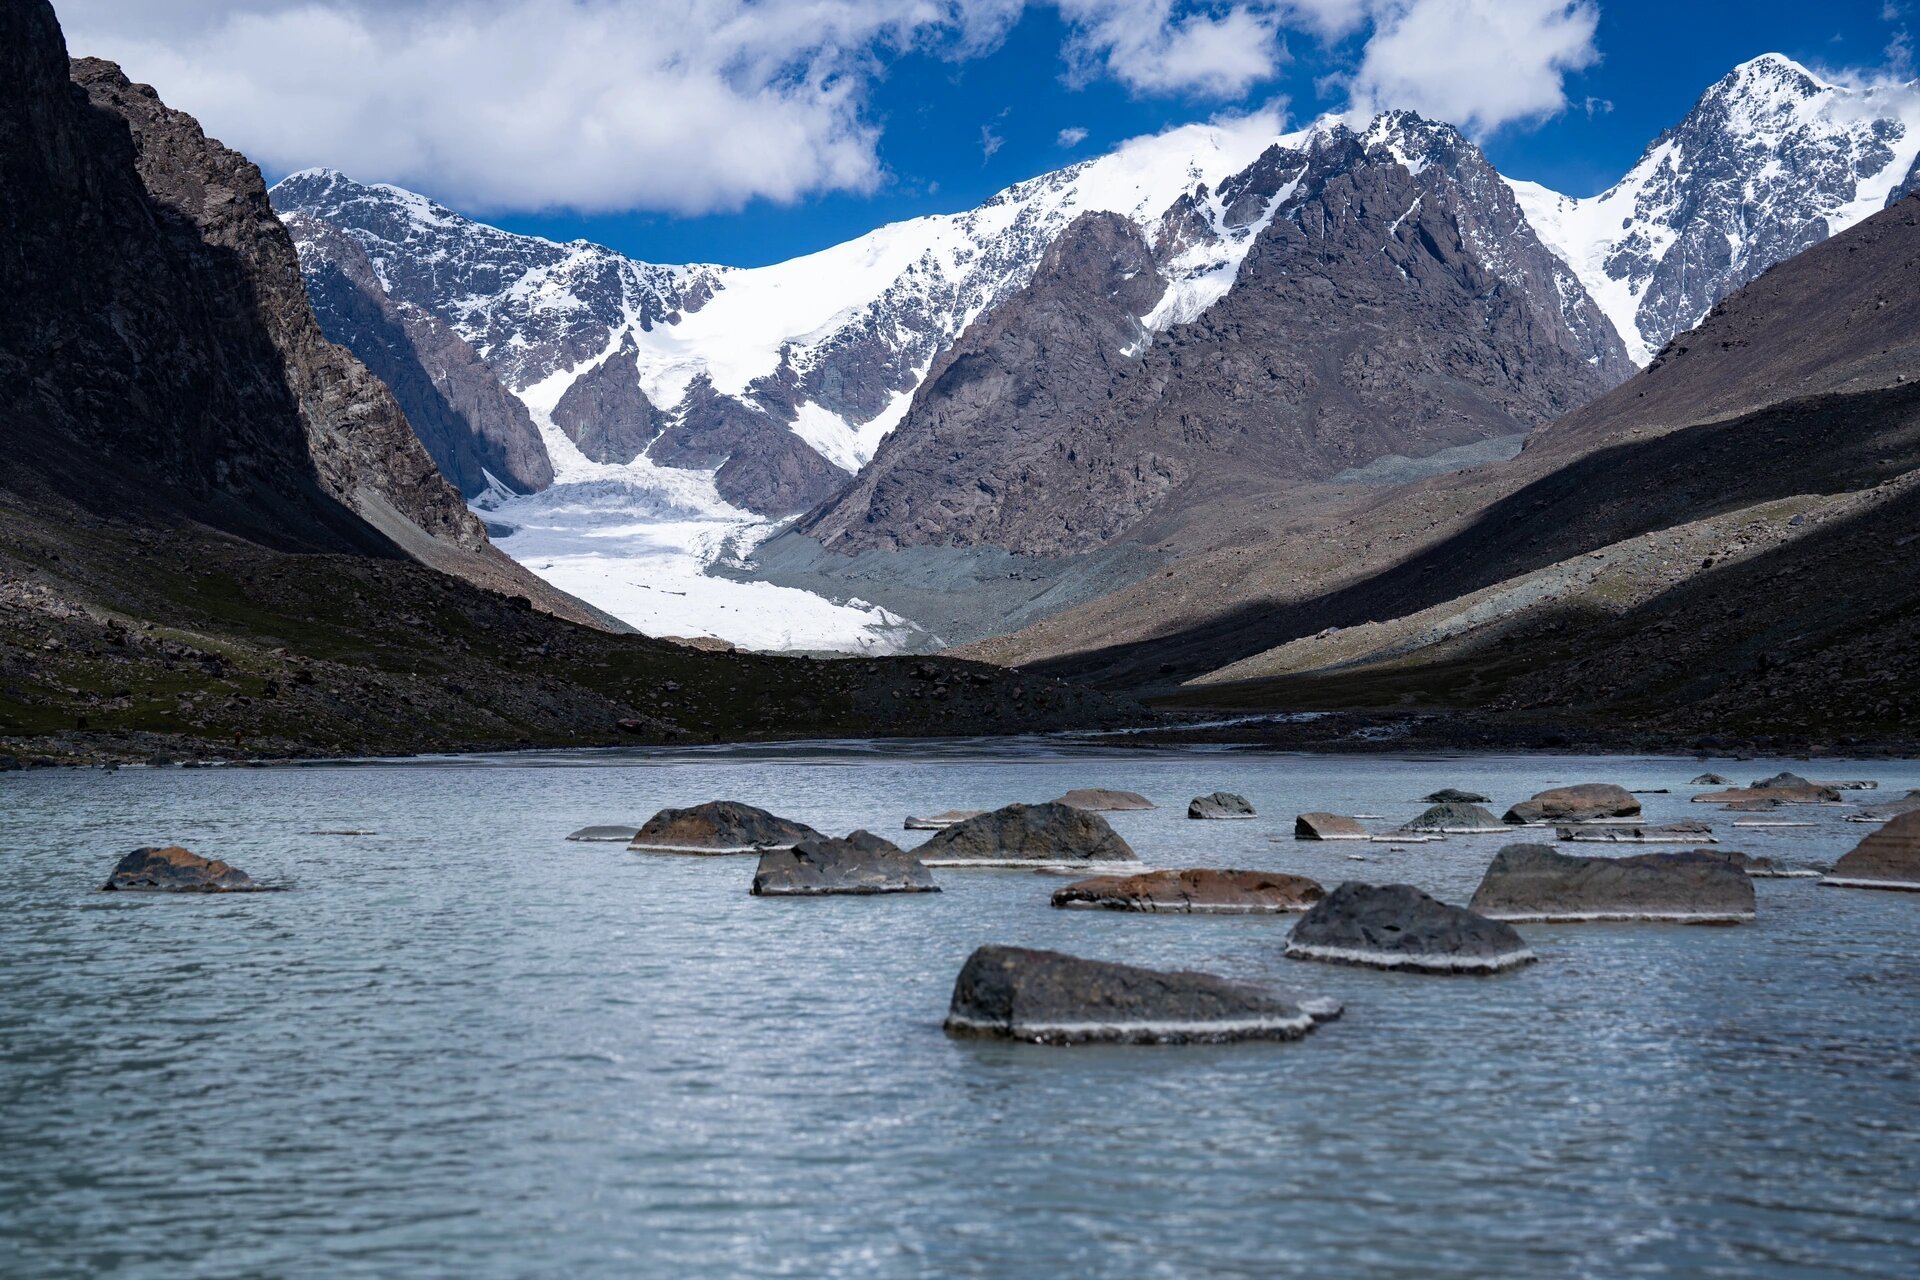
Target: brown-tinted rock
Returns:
[176, 870]
[1770, 796]
[1027, 835]
[1099, 800]
[1534, 882]
[1582, 802]
[719, 826]
[1328, 826]
[1202, 891]
[1887, 859]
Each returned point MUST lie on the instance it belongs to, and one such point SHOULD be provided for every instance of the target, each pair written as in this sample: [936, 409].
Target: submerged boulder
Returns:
[1453, 795]
[1767, 797]
[176, 870]
[941, 821]
[607, 834]
[1687, 832]
[1220, 805]
[1582, 802]
[1782, 781]
[860, 864]
[1051, 998]
[1887, 859]
[1027, 835]
[719, 826]
[1395, 926]
[1455, 817]
[1202, 891]
[1098, 800]
[1757, 867]
[1711, 780]
[1534, 882]
[1328, 826]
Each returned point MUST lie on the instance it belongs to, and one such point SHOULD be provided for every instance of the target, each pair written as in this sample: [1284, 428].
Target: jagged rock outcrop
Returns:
[606, 413]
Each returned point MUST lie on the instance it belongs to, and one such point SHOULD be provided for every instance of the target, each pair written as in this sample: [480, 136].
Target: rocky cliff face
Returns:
[1391, 301]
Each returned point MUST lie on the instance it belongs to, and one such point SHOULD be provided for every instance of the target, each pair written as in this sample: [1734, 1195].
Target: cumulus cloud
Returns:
[1152, 47]
[1072, 136]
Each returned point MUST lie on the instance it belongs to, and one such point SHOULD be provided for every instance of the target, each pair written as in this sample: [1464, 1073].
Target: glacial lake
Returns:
[462, 1046]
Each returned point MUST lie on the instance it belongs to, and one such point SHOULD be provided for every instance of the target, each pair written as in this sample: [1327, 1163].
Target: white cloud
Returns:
[1151, 47]
[1072, 136]
[1478, 64]
[990, 142]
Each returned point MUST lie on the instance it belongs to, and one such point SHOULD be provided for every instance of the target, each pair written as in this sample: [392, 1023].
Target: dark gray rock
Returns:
[863, 863]
[1451, 795]
[1027, 835]
[1395, 926]
[606, 413]
[1220, 804]
[1783, 782]
[719, 826]
[1049, 998]
[176, 870]
[1455, 817]
[1759, 868]
[1535, 882]
[608, 834]
[1201, 891]
[1887, 859]
[1582, 802]
[1688, 832]
[1712, 780]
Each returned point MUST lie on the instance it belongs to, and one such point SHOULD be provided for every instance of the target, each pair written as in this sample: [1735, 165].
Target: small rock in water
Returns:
[1395, 926]
[1020, 835]
[1455, 817]
[1534, 882]
[1711, 780]
[1453, 795]
[176, 870]
[608, 834]
[1202, 891]
[941, 821]
[1580, 803]
[1328, 826]
[1887, 859]
[1096, 800]
[1888, 809]
[1220, 805]
[719, 826]
[1688, 832]
[1781, 782]
[1051, 998]
[863, 863]
[1758, 868]
[1849, 784]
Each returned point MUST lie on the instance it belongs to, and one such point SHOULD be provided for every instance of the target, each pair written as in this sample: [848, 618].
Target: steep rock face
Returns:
[605, 413]
[1394, 302]
[215, 208]
[471, 425]
[1769, 162]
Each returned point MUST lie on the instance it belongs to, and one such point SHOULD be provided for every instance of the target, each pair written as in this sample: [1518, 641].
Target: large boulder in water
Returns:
[1097, 800]
[1455, 817]
[1023, 835]
[176, 870]
[719, 826]
[1769, 796]
[1201, 891]
[1328, 826]
[1220, 805]
[1582, 802]
[1050, 998]
[1453, 795]
[1887, 859]
[1535, 882]
[1395, 926]
[609, 835]
[863, 863]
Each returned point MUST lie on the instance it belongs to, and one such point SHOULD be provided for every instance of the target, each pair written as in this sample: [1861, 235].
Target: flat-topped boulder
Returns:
[594, 835]
[719, 826]
[1220, 805]
[941, 821]
[1887, 859]
[1686, 832]
[1769, 796]
[1098, 800]
[1023, 835]
[1711, 780]
[1048, 997]
[173, 869]
[1888, 809]
[1396, 926]
[863, 863]
[1455, 817]
[1453, 795]
[1849, 784]
[1328, 826]
[1582, 802]
[1535, 882]
[1760, 868]
[1200, 891]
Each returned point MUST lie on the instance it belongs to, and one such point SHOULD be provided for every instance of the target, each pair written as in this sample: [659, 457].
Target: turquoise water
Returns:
[462, 1046]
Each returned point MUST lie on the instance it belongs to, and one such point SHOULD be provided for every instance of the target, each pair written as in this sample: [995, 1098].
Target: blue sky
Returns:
[747, 131]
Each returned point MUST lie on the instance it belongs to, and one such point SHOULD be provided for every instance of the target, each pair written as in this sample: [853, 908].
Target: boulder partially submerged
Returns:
[1027, 835]
[1048, 997]
[1453, 795]
[1887, 859]
[593, 835]
[1849, 784]
[1758, 867]
[1770, 796]
[1782, 781]
[1687, 832]
[719, 826]
[1582, 802]
[863, 863]
[1098, 800]
[1455, 817]
[1534, 882]
[1395, 926]
[175, 870]
[1220, 805]
[941, 821]
[1328, 826]
[1711, 780]
[1888, 810]
[1201, 891]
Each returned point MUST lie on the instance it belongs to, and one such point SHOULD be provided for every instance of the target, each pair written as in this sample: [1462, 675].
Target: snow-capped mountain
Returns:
[1770, 161]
